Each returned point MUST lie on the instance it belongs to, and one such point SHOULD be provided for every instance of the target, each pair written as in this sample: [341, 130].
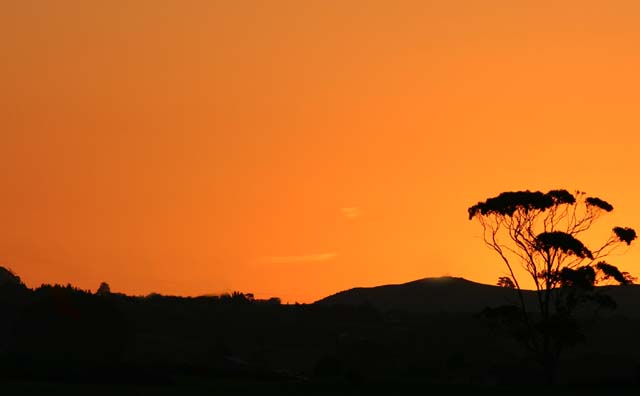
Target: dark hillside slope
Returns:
[449, 294]
[446, 294]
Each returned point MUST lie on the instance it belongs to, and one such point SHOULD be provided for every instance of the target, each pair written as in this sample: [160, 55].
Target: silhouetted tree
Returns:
[236, 297]
[104, 289]
[274, 301]
[539, 231]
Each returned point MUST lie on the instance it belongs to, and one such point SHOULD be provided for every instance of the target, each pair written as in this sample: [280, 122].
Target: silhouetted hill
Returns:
[451, 294]
[627, 297]
[444, 294]
[7, 277]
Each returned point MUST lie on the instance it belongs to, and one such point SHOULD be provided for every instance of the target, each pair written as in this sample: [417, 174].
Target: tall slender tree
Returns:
[539, 232]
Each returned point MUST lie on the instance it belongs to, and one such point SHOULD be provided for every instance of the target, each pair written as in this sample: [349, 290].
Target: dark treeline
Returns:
[64, 334]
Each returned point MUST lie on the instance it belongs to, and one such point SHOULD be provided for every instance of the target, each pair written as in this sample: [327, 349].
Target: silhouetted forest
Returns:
[63, 334]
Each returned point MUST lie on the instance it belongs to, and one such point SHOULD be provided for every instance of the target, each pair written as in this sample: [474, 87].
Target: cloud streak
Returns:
[298, 259]
[351, 213]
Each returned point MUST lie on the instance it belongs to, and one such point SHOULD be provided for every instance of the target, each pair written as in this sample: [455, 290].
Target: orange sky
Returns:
[298, 148]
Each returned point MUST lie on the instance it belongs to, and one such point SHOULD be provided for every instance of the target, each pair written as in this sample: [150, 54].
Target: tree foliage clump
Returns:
[561, 241]
[625, 234]
[539, 232]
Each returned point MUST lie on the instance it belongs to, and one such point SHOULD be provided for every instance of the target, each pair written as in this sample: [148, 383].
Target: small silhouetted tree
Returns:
[539, 232]
[104, 289]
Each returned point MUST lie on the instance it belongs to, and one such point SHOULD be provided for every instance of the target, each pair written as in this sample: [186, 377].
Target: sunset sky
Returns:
[299, 148]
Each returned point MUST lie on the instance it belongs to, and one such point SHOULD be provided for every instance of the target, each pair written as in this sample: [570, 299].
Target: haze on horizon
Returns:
[296, 149]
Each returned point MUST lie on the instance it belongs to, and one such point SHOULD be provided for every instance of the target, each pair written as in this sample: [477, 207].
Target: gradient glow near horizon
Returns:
[299, 148]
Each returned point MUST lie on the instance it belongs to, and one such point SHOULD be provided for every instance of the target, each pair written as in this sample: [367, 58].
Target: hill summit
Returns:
[458, 295]
[441, 294]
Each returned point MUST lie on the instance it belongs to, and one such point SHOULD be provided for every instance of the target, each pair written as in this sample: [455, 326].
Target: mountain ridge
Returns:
[458, 295]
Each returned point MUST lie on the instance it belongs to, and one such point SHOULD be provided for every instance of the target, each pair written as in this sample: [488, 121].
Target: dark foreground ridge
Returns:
[426, 333]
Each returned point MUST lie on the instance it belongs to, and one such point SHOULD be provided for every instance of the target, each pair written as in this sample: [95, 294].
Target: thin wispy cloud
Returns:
[351, 212]
[298, 259]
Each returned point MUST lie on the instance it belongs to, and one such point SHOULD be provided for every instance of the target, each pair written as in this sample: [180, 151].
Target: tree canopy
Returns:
[540, 231]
